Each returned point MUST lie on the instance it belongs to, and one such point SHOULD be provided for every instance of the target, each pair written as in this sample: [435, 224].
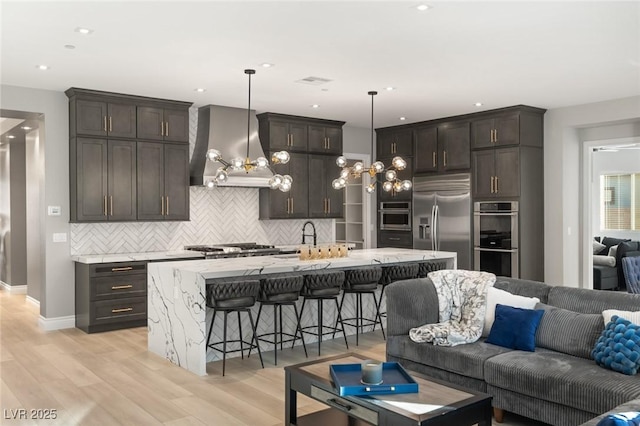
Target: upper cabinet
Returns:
[324, 201]
[511, 126]
[279, 133]
[325, 140]
[391, 143]
[114, 175]
[443, 147]
[163, 124]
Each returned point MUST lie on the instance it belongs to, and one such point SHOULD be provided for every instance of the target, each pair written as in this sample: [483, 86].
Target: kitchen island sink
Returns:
[178, 318]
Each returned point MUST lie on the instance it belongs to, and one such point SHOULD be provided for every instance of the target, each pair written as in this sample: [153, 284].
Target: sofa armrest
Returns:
[410, 303]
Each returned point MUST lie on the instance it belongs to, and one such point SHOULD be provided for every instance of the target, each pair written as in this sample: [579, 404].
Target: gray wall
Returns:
[18, 212]
[564, 186]
[5, 206]
[35, 200]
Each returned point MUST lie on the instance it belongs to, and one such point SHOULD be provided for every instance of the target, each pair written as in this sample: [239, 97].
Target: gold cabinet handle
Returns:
[288, 144]
[328, 205]
[495, 139]
[123, 268]
[497, 186]
[434, 159]
[328, 142]
[167, 205]
[292, 139]
[104, 206]
[118, 311]
[166, 128]
[492, 180]
[162, 128]
[444, 158]
[121, 287]
[162, 206]
[111, 205]
[105, 123]
[491, 136]
[288, 205]
[110, 124]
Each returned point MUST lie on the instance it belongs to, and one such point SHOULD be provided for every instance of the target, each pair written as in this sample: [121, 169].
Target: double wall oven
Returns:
[496, 237]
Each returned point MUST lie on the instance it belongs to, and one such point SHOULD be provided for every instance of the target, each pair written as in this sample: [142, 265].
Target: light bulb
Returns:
[358, 167]
[344, 173]
[406, 185]
[287, 180]
[262, 162]
[399, 163]
[336, 184]
[343, 181]
[237, 163]
[281, 157]
[214, 155]
[341, 161]
[210, 184]
[397, 186]
[390, 175]
[221, 175]
[275, 181]
[285, 187]
[378, 166]
[387, 186]
[371, 188]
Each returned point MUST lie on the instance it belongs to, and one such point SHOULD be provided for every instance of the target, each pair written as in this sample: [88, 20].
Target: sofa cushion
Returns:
[592, 301]
[467, 360]
[525, 288]
[634, 317]
[597, 247]
[610, 241]
[515, 328]
[561, 378]
[497, 296]
[618, 348]
[568, 332]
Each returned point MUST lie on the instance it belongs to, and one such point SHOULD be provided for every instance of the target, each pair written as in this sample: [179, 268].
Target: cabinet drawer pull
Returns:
[105, 123]
[121, 287]
[118, 311]
[394, 238]
[123, 268]
[110, 124]
[434, 159]
[339, 404]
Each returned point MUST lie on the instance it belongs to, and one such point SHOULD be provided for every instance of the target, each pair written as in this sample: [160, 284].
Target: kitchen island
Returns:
[178, 316]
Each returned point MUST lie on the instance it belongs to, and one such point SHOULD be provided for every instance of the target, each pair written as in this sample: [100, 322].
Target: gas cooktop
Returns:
[216, 251]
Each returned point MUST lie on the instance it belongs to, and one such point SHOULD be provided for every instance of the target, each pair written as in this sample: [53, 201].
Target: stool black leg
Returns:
[213, 318]
[254, 335]
[344, 334]
[378, 315]
[241, 336]
[298, 328]
[275, 334]
[339, 309]
[359, 321]
[280, 309]
[253, 327]
[224, 342]
[320, 328]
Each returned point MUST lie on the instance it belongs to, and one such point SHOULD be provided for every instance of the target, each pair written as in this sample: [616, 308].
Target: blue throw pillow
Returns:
[618, 348]
[515, 328]
[621, 419]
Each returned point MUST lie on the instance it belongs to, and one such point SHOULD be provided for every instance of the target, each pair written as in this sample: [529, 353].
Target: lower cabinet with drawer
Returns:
[111, 296]
[399, 239]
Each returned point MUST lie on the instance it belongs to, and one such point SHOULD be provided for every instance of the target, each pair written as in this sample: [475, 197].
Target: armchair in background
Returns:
[631, 269]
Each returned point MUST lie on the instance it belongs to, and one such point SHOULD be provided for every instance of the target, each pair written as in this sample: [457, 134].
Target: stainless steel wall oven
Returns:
[395, 216]
[495, 237]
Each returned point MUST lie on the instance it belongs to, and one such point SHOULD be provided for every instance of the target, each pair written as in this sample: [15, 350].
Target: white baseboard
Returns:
[57, 323]
[34, 302]
[14, 289]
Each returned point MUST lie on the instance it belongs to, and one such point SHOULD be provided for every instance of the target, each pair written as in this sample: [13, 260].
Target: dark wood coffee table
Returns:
[436, 404]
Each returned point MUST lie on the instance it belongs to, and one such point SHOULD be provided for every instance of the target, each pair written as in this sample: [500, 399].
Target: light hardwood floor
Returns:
[111, 379]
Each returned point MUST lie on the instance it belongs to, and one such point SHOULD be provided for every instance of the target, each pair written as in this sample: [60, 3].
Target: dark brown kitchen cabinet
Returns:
[275, 204]
[393, 195]
[426, 155]
[110, 296]
[325, 140]
[163, 124]
[496, 131]
[163, 181]
[98, 118]
[400, 239]
[324, 201]
[391, 143]
[442, 148]
[280, 135]
[496, 173]
[104, 180]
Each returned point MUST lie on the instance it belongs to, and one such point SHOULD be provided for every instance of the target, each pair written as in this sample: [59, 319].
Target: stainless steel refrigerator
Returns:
[442, 215]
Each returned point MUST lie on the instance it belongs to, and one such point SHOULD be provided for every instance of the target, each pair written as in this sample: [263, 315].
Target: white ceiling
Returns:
[442, 61]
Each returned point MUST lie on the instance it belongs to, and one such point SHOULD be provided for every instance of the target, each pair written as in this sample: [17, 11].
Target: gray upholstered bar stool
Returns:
[279, 292]
[321, 286]
[393, 273]
[430, 266]
[228, 297]
[359, 282]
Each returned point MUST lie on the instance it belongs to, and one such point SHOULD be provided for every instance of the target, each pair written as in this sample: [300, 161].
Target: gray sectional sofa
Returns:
[549, 385]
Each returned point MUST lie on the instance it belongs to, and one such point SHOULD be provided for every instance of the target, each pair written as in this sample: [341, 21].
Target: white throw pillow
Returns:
[597, 247]
[612, 251]
[604, 260]
[496, 296]
[634, 317]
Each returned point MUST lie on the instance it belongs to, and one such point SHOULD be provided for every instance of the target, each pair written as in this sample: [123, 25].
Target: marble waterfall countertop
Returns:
[131, 257]
[177, 313]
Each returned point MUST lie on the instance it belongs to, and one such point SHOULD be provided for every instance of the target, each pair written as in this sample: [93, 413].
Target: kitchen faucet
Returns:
[314, 235]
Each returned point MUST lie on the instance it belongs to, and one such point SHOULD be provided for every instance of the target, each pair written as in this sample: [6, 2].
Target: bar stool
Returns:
[425, 267]
[360, 282]
[321, 286]
[393, 273]
[228, 297]
[279, 292]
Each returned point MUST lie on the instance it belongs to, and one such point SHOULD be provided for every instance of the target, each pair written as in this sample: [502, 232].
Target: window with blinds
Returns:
[620, 201]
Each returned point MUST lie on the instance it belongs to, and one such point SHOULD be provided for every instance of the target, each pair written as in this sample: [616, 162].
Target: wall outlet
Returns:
[54, 210]
[60, 237]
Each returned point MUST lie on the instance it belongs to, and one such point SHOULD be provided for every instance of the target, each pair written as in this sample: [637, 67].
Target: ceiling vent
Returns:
[314, 81]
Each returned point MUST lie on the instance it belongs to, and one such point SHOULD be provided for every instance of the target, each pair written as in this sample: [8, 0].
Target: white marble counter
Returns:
[130, 257]
[176, 307]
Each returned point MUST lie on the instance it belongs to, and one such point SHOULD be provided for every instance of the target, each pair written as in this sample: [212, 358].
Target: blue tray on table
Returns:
[395, 379]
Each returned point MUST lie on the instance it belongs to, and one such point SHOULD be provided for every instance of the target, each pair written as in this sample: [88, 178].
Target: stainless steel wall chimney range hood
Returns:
[225, 129]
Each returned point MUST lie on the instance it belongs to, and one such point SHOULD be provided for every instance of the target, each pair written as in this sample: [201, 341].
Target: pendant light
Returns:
[283, 183]
[391, 182]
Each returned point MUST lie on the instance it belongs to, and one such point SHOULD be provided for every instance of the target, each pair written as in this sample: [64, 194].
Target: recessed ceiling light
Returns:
[267, 65]
[11, 137]
[403, 118]
[69, 46]
[478, 104]
[315, 106]
[390, 88]
[200, 90]
[42, 67]
[85, 31]
[324, 90]
[26, 128]
[423, 7]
